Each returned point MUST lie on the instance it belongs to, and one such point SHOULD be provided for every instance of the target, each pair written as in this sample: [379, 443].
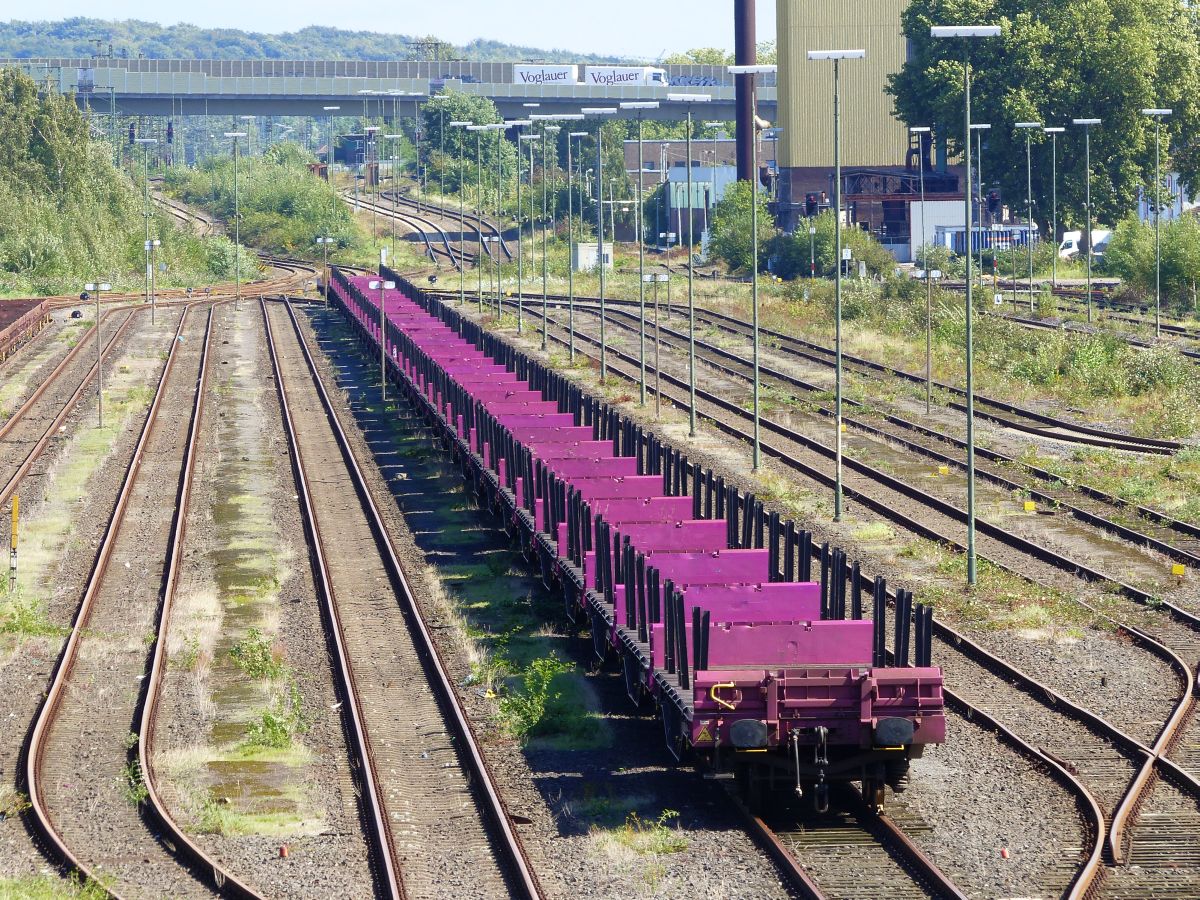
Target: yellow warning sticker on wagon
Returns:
[705, 736]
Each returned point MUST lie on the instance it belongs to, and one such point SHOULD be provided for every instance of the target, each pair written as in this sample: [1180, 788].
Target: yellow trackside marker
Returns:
[1030, 506]
[943, 470]
[1178, 569]
[705, 736]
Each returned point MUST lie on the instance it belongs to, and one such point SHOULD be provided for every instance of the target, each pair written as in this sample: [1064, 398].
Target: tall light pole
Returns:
[1054, 133]
[519, 124]
[462, 211]
[600, 112]
[688, 100]
[393, 137]
[1158, 115]
[979, 128]
[329, 156]
[548, 131]
[382, 286]
[1087, 203]
[529, 139]
[837, 56]
[641, 106]
[98, 288]
[499, 128]
[1028, 128]
[969, 32]
[371, 143]
[146, 142]
[237, 223]
[921, 131]
[573, 136]
[753, 72]
[479, 130]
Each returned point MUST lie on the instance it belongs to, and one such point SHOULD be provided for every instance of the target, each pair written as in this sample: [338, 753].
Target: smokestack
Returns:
[745, 53]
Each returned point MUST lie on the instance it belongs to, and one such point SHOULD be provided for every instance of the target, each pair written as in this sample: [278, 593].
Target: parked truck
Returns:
[1072, 242]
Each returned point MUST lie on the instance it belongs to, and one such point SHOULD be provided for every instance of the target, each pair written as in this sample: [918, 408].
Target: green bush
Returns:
[255, 656]
[523, 710]
[790, 253]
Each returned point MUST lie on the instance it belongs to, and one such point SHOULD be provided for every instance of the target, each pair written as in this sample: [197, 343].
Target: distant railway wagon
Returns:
[707, 601]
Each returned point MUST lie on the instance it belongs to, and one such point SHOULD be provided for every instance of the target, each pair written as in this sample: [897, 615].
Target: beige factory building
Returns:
[871, 137]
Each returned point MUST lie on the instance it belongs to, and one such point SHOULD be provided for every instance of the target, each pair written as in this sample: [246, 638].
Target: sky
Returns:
[599, 27]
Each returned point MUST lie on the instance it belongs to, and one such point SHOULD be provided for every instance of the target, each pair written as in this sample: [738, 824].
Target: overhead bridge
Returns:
[263, 87]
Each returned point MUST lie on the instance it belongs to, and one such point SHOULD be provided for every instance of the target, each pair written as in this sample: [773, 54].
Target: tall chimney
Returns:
[745, 53]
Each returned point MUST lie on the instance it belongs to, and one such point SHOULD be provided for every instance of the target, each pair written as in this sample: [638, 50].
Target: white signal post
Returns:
[462, 263]
[1158, 115]
[1054, 133]
[1029, 128]
[921, 131]
[237, 223]
[601, 111]
[151, 246]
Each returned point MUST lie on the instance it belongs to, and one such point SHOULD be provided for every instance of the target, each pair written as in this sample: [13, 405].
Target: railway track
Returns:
[91, 807]
[1075, 878]
[1140, 526]
[1123, 770]
[26, 434]
[424, 773]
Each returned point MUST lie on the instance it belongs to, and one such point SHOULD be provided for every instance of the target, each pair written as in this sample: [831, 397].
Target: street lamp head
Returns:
[477, 128]
[817, 55]
[568, 117]
[580, 134]
[371, 129]
[639, 104]
[235, 134]
[458, 123]
[516, 123]
[1158, 113]
[246, 118]
[1055, 130]
[598, 110]
[964, 31]
[1086, 121]
[531, 105]
[530, 137]
[919, 129]
[550, 129]
[93, 286]
[1028, 125]
[751, 70]
[980, 126]
[688, 98]
[145, 140]
[330, 108]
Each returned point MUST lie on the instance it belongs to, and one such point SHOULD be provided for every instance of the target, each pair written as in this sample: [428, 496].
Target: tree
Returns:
[1130, 254]
[457, 162]
[1053, 62]
[790, 252]
[731, 227]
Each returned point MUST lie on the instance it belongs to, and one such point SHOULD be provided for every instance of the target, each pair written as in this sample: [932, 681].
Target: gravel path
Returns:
[576, 800]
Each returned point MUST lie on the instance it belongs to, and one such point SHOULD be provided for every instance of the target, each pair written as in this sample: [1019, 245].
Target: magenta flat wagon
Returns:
[707, 601]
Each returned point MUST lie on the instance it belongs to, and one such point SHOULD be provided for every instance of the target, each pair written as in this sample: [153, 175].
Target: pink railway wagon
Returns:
[706, 600]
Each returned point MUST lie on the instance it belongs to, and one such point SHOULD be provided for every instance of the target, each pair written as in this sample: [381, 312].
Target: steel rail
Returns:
[385, 850]
[201, 865]
[1186, 530]
[39, 448]
[1153, 757]
[222, 879]
[525, 879]
[476, 220]
[1084, 433]
[423, 227]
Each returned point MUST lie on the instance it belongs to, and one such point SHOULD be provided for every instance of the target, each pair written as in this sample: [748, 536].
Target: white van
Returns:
[1070, 246]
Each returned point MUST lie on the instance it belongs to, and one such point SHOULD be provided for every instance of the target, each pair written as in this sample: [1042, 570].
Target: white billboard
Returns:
[530, 74]
[618, 76]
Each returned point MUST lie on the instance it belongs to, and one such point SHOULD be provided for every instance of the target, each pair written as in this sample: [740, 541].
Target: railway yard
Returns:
[390, 548]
